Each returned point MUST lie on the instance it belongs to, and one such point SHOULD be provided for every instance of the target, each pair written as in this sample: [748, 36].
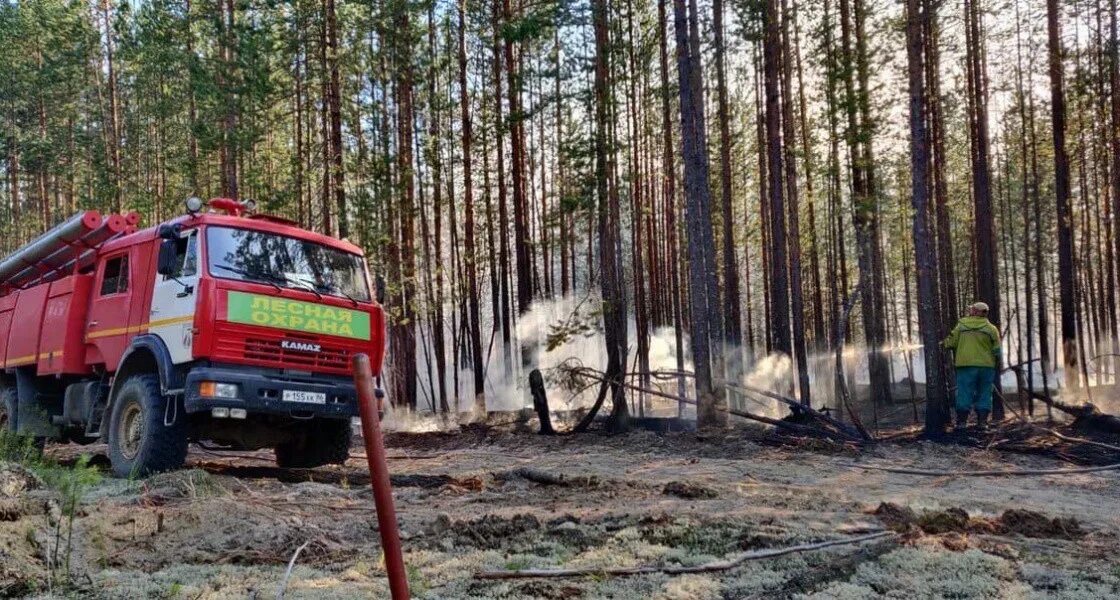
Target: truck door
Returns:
[174, 298]
[107, 325]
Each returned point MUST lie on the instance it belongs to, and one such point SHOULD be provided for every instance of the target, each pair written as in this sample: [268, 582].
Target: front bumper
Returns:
[262, 391]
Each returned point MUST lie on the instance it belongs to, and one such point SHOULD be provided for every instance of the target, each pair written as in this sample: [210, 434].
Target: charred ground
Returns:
[498, 498]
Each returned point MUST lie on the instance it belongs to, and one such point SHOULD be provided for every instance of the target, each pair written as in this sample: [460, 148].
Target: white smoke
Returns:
[573, 326]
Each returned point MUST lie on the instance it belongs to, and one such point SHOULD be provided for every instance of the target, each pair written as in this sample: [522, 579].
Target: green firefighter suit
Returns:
[976, 347]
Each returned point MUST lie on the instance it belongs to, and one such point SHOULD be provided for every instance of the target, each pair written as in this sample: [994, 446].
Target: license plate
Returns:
[305, 397]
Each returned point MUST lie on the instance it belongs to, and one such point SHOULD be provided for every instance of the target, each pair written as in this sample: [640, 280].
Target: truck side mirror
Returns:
[170, 232]
[379, 284]
[167, 263]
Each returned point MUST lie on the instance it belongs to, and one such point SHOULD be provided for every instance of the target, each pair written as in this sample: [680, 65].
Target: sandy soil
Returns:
[227, 526]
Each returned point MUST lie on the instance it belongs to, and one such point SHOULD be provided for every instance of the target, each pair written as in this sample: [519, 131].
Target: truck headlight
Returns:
[213, 389]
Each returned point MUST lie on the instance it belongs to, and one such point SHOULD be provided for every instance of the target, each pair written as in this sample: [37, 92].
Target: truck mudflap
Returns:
[265, 391]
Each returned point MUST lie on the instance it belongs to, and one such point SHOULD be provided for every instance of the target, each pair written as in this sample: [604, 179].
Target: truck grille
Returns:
[272, 350]
[260, 348]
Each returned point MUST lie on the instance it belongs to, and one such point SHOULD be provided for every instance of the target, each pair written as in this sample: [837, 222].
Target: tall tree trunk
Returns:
[334, 103]
[522, 241]
[114, 109]
[836, 264]
[491, 243]
[819, 335]
[864, 194]
[775, 160]
[1028, 187]
[471, 258]
[434, 146]
[796, 294]
[764, 221]
[669, 176]
[230, 80]
[297, 159]
[1066, 285]
[1114, 171]
[929, 313]
[403, 332]
[327, 180]
[987, 275]
[610, 223]
[192, 107]
[503, 210]
[732, 326]
[945, 263]
[706, 330]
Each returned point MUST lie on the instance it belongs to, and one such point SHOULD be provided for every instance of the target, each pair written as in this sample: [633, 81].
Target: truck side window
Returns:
[186, 256]
[190, 263]
[116, 276]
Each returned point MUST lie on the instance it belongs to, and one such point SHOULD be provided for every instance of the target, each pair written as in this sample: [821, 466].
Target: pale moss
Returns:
[911, 573]
[691, 587]
[846, 591]
[1050, 582]
[229, 582]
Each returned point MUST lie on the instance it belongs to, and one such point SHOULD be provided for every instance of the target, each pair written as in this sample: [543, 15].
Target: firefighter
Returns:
[976, 348]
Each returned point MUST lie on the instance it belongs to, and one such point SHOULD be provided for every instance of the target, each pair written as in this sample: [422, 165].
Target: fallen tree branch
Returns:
[1106, 355]
[992, 473]
[1019, 365]
[797, 406]
[859, 433]
[546, 478]
[587, 419]
[671, 570]
[1076, 440]
[1086, 414]
[803, 429]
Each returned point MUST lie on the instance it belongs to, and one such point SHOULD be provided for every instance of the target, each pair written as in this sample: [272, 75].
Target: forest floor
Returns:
[227, 526]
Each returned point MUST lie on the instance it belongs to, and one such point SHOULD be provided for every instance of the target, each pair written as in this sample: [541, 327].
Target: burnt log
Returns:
[540, 402]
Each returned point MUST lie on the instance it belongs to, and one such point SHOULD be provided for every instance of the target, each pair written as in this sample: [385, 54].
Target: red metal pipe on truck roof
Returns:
[62, 235]
[74, 256]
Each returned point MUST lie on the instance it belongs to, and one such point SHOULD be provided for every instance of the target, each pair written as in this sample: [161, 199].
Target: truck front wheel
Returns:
[320, 442]
[139, 442]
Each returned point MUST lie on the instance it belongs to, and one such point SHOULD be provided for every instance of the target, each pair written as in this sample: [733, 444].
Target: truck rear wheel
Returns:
[139, 442]
[7, 408]
[322, 442]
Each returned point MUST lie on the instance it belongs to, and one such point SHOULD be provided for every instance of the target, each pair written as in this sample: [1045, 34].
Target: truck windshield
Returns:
[283, 261]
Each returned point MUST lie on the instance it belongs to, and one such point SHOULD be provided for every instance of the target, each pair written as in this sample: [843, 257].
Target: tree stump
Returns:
[540, 401]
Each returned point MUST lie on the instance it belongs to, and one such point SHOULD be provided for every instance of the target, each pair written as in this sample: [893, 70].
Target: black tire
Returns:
[7, 409]
[139, 443]
[322, 442]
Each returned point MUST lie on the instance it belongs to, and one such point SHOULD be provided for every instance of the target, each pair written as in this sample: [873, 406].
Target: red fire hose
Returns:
[379, 479]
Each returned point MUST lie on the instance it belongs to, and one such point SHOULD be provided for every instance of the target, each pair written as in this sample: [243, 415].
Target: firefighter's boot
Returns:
[962, 421]
[982, 419]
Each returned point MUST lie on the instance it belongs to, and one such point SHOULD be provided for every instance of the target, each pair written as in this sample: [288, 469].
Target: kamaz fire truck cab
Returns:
[221, 327]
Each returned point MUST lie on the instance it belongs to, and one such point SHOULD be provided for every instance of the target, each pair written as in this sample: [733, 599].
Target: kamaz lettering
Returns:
[301, 346]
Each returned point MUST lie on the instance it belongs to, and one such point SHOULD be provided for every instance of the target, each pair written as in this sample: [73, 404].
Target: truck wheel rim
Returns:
[131, 430]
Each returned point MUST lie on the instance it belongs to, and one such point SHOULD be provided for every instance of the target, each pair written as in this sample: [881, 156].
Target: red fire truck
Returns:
[220, 326]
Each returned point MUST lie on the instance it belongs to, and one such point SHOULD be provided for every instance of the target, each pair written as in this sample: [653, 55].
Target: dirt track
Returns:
[226, 527]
